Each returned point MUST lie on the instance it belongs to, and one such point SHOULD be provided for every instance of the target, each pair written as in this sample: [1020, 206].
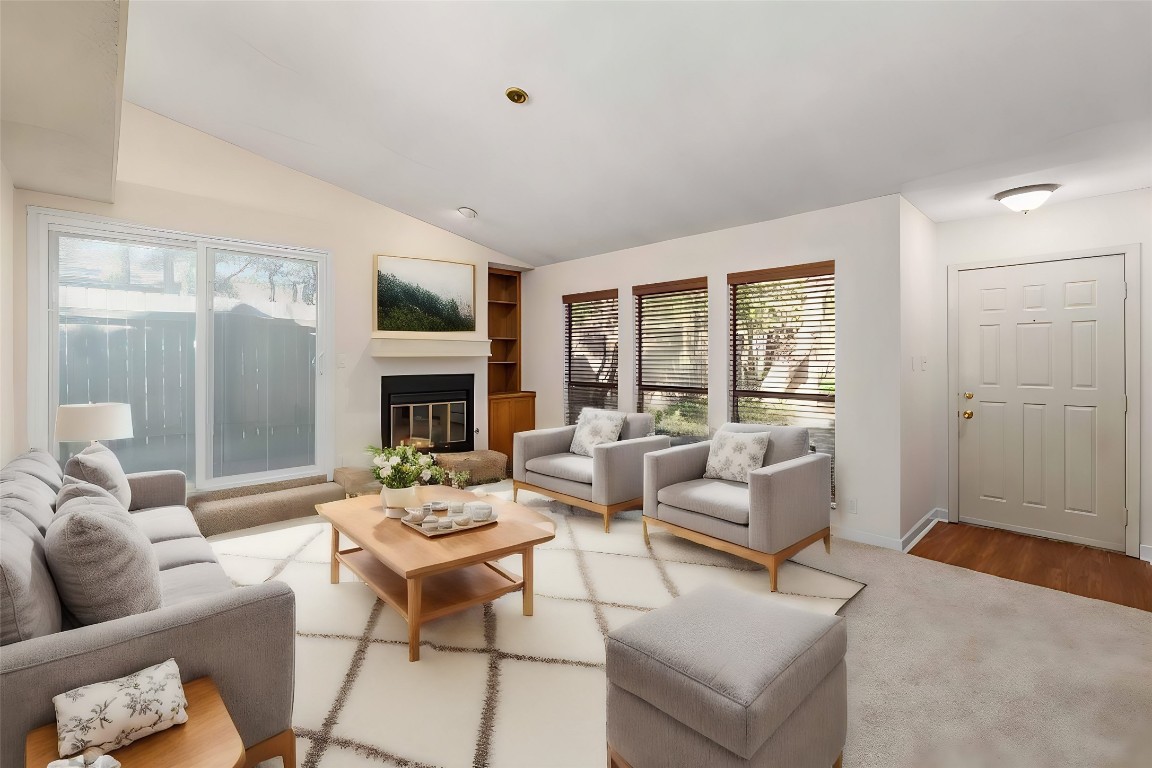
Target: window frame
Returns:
[610, 294]
[43, 336]
[639, 292]
[737, 279]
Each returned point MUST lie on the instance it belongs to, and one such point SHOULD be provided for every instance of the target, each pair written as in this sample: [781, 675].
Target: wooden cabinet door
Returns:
[507, 415]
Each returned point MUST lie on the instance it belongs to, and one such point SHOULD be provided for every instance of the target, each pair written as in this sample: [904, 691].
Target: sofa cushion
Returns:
[722, 499]
[174, 553]
[730, 665]
[189, 582]
[165, 523]
[38, 464]
[566, 466]
[29, 605]
[594, 427]
[103, 564]
[97, 464]
[733, 456]
[29, 497]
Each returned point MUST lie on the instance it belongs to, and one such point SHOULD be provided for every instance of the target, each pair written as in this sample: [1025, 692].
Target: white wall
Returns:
[8, 447]
[921, 373]
[174, 177]
[864, 240]
[1098, 222]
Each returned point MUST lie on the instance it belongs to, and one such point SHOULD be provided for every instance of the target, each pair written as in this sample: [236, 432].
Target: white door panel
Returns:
[1041, 350]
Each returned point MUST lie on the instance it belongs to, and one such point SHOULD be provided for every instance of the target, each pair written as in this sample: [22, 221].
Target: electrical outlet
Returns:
[850, 506]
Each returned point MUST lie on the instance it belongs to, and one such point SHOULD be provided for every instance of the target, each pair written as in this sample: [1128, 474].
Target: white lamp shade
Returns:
[93, 421]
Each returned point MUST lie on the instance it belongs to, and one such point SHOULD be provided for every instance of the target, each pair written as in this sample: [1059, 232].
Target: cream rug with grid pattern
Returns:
[493, 687]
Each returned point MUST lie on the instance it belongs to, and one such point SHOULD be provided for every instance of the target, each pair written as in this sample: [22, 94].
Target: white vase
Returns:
[395, 499]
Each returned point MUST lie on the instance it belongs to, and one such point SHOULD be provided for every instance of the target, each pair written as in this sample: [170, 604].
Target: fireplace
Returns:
[431, 412]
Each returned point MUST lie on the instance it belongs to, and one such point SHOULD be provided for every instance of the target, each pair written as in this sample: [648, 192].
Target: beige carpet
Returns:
[946, 666]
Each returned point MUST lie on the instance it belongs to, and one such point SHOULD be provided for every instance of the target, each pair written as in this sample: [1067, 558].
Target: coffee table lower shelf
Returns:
[422, 599]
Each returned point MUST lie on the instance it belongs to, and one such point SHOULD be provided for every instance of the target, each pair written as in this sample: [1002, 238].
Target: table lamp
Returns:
[94, 422]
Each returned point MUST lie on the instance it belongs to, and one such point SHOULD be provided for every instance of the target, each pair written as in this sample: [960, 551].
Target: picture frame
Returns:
[422, 297]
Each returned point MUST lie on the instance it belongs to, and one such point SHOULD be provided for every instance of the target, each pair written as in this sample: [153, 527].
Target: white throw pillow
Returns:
[594, 427]
[107, 716]
[733, 455]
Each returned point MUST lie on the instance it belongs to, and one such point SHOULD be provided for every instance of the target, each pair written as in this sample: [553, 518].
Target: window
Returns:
[591, 352]
[784, 349]
[215, 345]
[672, 356]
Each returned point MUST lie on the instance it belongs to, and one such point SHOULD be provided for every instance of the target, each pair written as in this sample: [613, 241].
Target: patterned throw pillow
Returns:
[733, 455]
[596, 426]
[107, 716]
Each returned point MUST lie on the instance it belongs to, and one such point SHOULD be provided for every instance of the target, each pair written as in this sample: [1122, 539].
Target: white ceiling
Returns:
[651, 121]
[62, 66]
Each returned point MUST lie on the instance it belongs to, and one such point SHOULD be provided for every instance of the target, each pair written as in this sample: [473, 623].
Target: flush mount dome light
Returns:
[466, 212]
[1024, 199]
[516, 95]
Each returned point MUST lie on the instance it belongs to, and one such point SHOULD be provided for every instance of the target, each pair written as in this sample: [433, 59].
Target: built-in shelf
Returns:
[494, 301]
[503, 362]
[503, 338]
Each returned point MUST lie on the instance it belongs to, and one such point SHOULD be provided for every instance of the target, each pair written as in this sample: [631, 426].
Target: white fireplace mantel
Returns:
[401, 347]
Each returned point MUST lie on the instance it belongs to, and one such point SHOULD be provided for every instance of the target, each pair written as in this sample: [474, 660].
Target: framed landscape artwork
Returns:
[424, 296]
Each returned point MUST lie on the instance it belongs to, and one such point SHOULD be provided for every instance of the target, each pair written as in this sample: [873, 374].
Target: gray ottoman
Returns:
[727, 679]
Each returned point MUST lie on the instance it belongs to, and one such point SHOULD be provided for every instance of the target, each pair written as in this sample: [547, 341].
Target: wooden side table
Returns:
[208, 740]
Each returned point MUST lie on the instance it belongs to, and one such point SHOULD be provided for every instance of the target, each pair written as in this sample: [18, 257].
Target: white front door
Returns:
[1041, 406]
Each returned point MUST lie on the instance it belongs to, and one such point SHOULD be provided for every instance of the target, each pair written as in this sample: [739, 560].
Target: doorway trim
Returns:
[1131, 254]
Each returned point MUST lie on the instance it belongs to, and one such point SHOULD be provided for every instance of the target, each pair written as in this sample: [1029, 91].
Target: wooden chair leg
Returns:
[607, 518]
[281, 745]
[828, 543]
[515, 492]
[772, 574]
[644, 524]
[839, 761]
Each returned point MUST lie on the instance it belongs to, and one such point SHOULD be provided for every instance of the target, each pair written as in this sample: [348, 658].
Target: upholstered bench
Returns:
[481, 466]
[727, 679]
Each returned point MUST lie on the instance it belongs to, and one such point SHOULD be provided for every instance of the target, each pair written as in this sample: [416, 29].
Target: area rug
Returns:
[493, 688]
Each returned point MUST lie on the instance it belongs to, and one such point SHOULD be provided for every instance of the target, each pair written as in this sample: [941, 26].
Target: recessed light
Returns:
[1024, 199]
[466, 212]
[516, 95]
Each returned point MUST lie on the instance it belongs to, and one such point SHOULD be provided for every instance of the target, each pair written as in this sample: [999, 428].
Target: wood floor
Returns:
[1058, 565]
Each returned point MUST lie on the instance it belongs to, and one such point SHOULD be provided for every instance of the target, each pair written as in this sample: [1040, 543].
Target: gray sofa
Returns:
[610, 481]
[241, 637]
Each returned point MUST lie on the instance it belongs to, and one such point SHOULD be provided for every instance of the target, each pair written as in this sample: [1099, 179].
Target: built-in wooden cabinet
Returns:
[509, 409]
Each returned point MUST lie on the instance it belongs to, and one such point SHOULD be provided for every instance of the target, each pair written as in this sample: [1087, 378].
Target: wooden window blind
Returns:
[591, 352]
[672, 356]
[783, 355]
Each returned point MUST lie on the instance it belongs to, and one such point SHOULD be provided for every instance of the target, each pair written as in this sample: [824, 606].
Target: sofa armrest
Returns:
[618, 468]
[538, 442]
[244, 639]
[789, 501]
[168, 488]
[671, 466]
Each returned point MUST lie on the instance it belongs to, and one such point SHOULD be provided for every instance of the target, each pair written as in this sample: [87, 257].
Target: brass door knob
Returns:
[967, 414]
[968, 395]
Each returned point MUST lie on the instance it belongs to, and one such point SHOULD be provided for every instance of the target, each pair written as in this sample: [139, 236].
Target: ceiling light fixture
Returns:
[1024, 199]
[516, 95]
[466, 212]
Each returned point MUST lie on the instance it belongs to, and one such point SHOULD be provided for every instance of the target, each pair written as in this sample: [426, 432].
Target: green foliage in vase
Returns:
[404, 306]
[404, 466]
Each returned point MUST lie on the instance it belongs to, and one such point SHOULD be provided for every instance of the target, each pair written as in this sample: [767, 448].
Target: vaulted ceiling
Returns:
[651, 121]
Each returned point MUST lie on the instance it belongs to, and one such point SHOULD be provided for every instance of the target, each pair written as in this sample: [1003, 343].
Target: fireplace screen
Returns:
[432, 426]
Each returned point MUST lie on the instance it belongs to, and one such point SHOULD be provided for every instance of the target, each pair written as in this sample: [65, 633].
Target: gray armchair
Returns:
[611, 481]
[783, 508]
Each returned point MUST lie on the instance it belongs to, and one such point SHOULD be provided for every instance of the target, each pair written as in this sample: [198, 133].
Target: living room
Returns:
[654, 149]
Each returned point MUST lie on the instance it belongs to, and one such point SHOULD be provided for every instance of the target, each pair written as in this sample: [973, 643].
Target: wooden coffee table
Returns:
[425, 578]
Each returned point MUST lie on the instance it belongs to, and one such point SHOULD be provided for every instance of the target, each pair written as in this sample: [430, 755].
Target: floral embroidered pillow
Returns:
[594, 427]
[733, 455]
[106, 716]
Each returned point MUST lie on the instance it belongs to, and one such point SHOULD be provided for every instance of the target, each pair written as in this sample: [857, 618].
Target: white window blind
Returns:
[783, 355]
[591, 352]
[672, 355]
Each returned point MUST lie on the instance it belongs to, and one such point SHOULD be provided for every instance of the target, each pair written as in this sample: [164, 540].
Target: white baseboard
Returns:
[922, 527]
[1146, 552]
[865, 537]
